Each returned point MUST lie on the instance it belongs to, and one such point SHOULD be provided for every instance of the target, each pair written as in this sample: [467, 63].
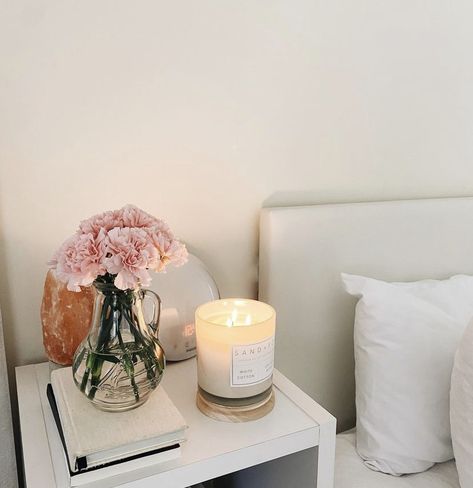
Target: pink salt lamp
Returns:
[66, 317]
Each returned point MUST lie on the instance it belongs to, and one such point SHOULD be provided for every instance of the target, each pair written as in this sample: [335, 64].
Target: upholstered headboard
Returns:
[304, 249]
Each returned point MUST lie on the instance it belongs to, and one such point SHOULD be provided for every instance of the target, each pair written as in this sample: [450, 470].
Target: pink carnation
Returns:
[105, 220]
[124, 244]
[78, 262]
[135, 217]
[131, 254]
[170, 250]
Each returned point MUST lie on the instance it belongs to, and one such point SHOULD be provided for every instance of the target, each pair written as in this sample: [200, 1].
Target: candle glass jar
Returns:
[235, 353]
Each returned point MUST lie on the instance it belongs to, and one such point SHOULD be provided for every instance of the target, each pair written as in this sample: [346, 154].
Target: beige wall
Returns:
[203, 111]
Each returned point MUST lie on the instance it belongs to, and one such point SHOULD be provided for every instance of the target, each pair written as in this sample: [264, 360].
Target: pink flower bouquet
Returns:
[118, 247]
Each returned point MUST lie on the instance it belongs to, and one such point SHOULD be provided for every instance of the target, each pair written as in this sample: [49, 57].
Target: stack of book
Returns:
[100, 445]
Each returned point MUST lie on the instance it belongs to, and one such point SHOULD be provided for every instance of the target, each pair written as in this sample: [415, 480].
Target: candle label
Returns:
[252, 363]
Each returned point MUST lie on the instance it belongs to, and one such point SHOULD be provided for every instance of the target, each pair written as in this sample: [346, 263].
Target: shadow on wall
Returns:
[301, 198]
[5, 301]
[7, 464]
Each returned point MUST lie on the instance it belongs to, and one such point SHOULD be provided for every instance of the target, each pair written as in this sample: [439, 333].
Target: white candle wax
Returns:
[235, 347]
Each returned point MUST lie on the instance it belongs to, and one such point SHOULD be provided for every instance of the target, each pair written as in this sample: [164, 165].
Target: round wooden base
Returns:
[235, 414]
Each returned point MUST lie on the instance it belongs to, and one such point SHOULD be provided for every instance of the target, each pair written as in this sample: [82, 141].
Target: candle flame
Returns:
[233, 319]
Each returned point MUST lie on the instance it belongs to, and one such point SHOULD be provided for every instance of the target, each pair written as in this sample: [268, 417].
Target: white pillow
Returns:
[406, 335]
[461, 408]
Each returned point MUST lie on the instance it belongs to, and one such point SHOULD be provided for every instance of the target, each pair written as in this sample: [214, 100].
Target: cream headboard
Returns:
[304, 249]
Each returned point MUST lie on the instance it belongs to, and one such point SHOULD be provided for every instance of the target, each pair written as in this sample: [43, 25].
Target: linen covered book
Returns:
[93, 438]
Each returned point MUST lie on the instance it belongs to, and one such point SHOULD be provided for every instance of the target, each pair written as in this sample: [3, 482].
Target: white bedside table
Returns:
[294, 445]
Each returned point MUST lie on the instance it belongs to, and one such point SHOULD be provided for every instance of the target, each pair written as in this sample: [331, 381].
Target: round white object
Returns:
[182, 289]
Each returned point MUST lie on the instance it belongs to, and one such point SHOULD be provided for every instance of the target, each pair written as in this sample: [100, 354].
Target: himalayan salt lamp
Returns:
[66, 317]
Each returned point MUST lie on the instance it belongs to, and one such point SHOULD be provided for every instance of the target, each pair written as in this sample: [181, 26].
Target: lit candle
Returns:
[235, 350]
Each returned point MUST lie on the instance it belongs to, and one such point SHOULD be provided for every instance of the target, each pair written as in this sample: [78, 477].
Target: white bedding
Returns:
[350, 472]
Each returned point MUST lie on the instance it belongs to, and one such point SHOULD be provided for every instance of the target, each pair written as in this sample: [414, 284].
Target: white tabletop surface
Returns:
[212, 448]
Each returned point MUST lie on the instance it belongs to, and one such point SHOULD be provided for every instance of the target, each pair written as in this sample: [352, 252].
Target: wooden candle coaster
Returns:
[235, 414]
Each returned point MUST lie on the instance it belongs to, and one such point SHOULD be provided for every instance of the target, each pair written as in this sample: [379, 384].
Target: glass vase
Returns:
[120, 362]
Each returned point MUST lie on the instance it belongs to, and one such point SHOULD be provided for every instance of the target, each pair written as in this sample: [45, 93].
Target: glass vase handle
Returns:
[153, 325]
